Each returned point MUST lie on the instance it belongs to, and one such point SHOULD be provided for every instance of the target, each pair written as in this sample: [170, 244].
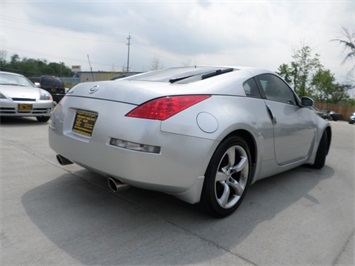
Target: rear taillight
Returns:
[165, 107]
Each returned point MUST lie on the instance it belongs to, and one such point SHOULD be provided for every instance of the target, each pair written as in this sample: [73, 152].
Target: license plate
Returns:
[24, 107]
[84, 123]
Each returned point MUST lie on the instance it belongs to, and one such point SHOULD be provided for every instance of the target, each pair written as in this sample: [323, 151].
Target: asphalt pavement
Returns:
[66, 215]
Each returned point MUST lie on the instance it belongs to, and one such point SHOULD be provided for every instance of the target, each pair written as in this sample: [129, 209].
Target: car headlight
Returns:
[45, 96]
[2, 96]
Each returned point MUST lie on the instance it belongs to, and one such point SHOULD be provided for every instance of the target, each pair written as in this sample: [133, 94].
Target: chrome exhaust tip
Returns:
[116, 185]
[62, 160]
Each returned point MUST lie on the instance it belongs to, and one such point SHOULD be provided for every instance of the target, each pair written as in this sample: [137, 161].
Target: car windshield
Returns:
[181, 75]
[15, 80]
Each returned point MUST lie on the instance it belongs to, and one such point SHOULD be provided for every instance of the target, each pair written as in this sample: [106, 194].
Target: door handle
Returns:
[272, 117]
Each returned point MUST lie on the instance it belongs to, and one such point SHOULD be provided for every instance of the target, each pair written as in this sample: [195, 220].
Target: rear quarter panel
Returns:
[232, 113]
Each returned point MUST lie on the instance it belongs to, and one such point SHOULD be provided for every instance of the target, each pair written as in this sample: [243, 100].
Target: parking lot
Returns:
[66, 215]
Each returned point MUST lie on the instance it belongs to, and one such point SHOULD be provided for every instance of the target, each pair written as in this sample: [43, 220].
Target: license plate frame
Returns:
[24, 107]
[84, 123]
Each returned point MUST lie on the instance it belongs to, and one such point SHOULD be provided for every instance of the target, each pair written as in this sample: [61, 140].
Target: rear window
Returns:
[181, 75]
[51, 82]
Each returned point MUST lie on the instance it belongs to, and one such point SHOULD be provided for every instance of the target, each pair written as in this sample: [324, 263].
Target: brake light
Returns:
[165, 107]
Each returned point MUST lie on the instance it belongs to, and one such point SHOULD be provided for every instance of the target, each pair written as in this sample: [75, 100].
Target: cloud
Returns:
[259, 33]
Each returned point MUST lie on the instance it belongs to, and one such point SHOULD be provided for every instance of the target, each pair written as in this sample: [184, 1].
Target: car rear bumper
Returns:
[177, 168]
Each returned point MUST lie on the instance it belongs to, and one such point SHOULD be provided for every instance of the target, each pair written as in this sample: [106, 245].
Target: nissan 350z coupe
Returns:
[202, 134]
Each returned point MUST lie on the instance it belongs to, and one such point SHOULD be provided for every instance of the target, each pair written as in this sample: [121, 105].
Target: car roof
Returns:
[182, 74]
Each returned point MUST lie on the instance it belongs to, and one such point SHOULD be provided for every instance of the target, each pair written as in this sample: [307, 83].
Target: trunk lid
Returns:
[129, 91]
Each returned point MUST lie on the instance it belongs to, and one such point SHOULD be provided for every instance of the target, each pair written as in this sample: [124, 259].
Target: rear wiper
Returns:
[216, 73]
[205, 76]
[180, 78]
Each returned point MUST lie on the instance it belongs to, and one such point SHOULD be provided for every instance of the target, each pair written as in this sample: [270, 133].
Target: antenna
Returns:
[92, 74]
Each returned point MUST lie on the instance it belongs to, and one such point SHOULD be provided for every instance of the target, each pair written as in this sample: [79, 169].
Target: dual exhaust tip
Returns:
[62, 160]
[113, 183]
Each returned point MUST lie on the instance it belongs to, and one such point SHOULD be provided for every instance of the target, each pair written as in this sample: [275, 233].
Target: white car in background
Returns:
[20, 97]
[352, 118]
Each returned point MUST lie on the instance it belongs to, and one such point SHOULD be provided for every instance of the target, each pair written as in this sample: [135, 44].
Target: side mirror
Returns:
[307, 102]
[37, 84]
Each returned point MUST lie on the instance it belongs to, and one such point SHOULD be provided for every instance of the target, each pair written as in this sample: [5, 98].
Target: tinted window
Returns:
[251, 89]
[181, 75]
[51, 82]
[275, 89]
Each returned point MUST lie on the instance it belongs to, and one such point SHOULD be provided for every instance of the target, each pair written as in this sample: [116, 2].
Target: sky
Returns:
[94, 34]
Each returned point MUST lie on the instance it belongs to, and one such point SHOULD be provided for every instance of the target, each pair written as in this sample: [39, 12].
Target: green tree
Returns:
[348, 42]
[309, 78]
[33, 67]
[351, 101]
[300, 72]
[285, 71]
[326, 89]
[14, 63]
[3, 55]
[156, 65]
[14, 59]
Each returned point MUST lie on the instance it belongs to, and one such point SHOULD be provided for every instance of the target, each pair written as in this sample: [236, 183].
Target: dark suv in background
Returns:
[53, 85]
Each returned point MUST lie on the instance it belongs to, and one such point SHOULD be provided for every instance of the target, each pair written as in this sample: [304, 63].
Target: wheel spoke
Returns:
[235, 185]
[223, 200]
[221, 176]
[231, 157]
[241, 165]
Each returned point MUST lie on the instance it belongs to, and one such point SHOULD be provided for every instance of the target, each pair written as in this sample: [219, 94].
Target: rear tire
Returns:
[227, 177]
[321, 152]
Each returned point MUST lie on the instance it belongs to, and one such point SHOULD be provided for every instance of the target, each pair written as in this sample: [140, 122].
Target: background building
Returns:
[86, 76]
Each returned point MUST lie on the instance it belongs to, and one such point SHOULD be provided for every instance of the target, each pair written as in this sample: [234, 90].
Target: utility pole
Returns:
[128, 44]
[92, 74]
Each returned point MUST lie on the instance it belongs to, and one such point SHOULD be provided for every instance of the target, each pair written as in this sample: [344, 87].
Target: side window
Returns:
[275, 89]
[251, 89]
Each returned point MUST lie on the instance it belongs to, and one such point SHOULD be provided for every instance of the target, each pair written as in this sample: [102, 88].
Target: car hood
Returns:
[11, 91]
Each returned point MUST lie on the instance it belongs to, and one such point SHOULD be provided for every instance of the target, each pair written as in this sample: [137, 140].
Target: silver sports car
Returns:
[20, 97]
[202, 134]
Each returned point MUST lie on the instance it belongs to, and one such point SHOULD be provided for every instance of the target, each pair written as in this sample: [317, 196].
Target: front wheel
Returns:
[227, 177]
